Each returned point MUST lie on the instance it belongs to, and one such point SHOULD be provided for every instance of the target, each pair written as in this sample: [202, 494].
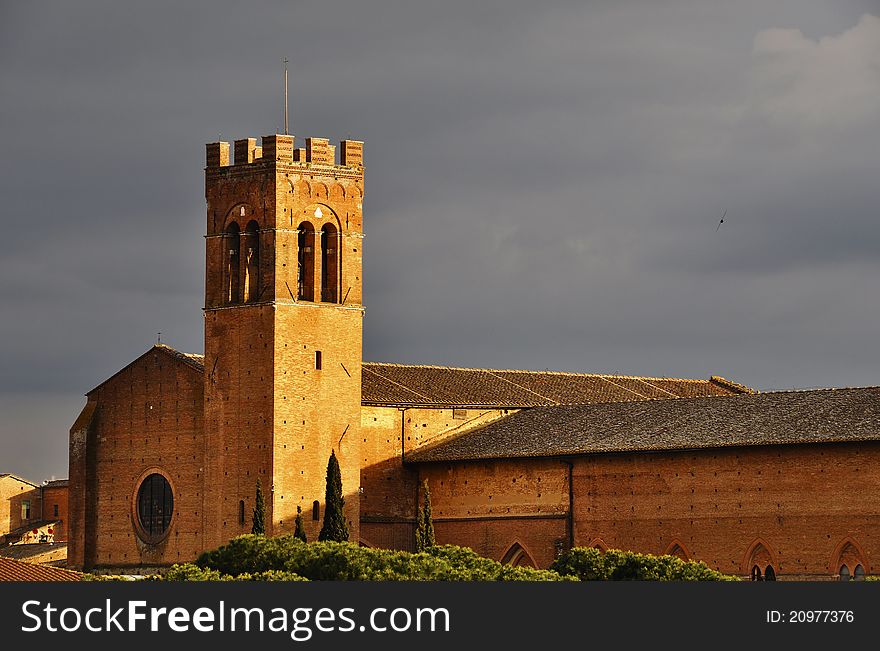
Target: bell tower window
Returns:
[329, 264]
[251, 261]
[306, 262]
[232, 266]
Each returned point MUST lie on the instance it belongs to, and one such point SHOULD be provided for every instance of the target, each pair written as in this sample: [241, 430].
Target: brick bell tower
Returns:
[283, 331]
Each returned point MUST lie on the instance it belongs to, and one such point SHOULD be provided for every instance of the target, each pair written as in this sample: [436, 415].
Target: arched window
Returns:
[306, 262]
[517, 556]
[155, 505]
[316, 510]
[251, 262]
[232, 268]
[241, 519]
[760, 562]
[329, 264]
[849, 561]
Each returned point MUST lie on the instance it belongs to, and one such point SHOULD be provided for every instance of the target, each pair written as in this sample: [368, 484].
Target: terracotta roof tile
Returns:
[13, 570]
[817, 416]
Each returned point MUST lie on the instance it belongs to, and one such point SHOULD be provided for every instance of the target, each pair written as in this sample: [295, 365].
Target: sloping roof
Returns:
[57, 483]
[399, 384]
[17, 478]
[13, 570]
[192, 360]
[817, 416]
[436, 386]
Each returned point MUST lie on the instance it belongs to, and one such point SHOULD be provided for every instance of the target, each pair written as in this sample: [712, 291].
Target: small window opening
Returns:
[316, 510]
[318, 360]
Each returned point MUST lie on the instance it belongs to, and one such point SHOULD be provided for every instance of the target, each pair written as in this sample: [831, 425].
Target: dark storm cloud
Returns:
[543, 184]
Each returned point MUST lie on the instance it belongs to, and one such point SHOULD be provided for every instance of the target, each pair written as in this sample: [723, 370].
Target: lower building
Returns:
[32, 513]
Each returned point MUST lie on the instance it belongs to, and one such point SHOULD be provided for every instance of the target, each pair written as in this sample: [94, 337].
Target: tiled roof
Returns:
[436, 386]
[817, 416]
[13, 570]
[57, 483]
[399, 384]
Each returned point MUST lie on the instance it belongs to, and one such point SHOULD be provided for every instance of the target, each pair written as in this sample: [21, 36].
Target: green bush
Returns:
[344, 561]
[590, 564]
[192, 572]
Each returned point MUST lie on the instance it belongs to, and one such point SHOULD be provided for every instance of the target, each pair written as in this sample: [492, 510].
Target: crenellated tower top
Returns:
[279, 148]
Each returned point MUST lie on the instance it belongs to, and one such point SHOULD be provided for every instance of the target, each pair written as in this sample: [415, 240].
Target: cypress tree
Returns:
[420, 530]
[428, 532]
[259, 526]
[299, 529]
[334, 527]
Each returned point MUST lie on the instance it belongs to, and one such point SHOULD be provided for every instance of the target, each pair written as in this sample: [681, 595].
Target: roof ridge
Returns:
[728, 384]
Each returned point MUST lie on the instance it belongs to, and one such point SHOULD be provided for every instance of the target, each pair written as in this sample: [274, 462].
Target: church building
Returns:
[166, 455]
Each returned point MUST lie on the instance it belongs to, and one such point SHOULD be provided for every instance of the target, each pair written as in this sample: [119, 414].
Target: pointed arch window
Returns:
[251, 263]
[232, 263]
[306, 262]
[329, 264]
[850, 562]
[517, 556]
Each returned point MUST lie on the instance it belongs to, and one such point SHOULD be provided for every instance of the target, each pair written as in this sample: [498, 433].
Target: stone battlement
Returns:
[282, 148]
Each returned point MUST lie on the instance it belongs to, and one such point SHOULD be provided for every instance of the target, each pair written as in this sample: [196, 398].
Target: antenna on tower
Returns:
[285, 96]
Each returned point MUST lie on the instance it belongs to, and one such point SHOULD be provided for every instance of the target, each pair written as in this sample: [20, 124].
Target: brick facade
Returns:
[280, 386]
[806, 510]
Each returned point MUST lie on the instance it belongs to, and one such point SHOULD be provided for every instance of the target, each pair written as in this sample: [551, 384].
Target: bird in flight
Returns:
[723, 215]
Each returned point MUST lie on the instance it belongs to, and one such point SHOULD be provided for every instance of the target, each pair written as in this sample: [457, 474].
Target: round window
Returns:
[155, 505]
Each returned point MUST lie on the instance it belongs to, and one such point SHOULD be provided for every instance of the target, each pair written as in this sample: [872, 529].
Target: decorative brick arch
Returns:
[760, 554]
[328, 215]
[599, 544]
[337, 192]
[319, 190]
[234, 214]
[518, 556]
[677, 548]
[848, 552]
[305, 188]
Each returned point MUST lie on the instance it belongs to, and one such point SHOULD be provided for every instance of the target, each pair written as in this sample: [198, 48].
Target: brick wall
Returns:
[491, 505]
[799, 502]
[804, 509]
[148, 418]
[56, 496]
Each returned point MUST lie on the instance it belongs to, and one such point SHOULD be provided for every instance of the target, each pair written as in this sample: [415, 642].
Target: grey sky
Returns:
[543, 185]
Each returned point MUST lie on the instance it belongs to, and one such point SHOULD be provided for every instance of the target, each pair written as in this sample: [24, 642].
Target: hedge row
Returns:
[590, 564]
[344, 561]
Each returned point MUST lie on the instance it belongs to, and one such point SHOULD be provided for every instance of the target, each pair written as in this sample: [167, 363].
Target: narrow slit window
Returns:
[241, 512]
[316, 510]
[318, 360]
